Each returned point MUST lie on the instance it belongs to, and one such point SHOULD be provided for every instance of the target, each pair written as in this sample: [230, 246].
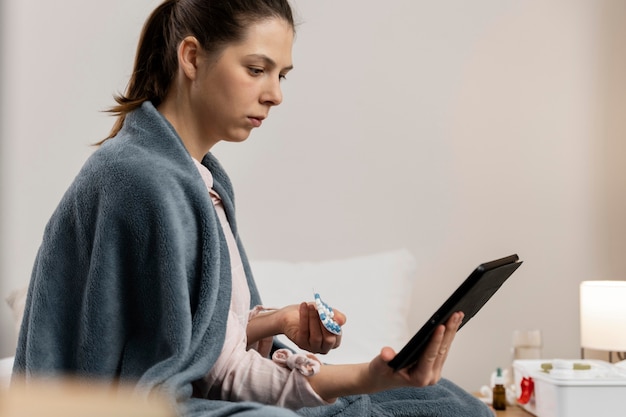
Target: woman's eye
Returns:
[282, 77]
[255, 71]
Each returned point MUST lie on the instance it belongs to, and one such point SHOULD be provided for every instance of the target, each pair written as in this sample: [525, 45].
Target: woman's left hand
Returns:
[302, 325]
[427, 370]
[365, 378]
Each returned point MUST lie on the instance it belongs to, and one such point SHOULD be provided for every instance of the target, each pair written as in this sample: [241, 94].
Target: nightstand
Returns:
[513, 411]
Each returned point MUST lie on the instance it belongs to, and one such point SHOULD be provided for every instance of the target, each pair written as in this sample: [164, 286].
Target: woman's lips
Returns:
[256, 121]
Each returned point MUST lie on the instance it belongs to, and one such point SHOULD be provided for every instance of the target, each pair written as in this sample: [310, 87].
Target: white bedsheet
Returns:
[6, 366]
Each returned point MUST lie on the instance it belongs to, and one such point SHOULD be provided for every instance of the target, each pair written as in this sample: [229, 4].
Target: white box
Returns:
[565, 392]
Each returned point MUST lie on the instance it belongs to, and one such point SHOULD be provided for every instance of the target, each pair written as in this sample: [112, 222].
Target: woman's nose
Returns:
[273, 94]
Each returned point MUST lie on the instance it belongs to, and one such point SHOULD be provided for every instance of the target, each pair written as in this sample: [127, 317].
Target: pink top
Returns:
[242, 374]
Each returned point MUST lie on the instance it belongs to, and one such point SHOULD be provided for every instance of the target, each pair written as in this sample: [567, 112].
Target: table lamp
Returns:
[603, 317]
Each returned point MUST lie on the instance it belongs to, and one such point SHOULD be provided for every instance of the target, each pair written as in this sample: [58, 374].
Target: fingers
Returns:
[322, 341]
[428, 369]
[452, 325]
[303, 333]
[316, 336]
[311, 334]
[339, 317]
[387, 354]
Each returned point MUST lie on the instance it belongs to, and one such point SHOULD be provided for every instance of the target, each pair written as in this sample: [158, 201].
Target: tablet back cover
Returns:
[469, 298]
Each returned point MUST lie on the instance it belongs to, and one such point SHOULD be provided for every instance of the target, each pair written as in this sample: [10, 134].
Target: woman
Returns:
[142, 276]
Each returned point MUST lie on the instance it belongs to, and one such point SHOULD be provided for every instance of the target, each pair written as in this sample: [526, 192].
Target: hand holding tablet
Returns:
[469, 298]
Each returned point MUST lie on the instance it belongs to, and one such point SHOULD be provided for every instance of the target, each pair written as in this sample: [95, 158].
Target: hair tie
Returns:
[307, 365]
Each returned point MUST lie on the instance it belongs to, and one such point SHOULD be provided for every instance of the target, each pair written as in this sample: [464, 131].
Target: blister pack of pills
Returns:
[327, 316]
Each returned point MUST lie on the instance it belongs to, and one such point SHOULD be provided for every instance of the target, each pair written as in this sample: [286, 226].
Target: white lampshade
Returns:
[603, 315]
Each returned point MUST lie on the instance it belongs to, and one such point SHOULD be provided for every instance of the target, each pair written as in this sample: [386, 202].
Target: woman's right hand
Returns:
[302, 325]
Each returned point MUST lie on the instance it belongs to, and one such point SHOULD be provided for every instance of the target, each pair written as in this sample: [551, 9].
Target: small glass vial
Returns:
[526, 344]
[499, 392]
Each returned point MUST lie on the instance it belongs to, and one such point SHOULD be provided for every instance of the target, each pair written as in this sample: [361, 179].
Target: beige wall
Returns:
[612, 139]
[463, 131]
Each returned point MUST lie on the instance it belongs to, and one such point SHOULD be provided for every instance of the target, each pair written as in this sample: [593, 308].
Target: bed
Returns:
[373, 290]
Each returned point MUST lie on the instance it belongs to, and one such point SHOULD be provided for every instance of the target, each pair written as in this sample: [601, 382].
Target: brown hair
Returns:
[215, 23]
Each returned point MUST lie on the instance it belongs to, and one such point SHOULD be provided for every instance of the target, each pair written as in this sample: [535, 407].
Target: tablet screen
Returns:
[469, 298]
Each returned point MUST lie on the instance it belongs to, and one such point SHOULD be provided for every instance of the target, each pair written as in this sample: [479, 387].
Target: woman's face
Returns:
[234, 92]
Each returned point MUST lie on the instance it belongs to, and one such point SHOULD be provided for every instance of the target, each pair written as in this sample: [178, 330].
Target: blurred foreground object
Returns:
[74, 398]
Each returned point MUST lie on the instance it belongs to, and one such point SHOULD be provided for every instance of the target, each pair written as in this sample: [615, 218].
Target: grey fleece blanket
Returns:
[132, 282]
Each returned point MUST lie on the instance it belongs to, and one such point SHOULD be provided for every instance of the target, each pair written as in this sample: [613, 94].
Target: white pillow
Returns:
[373, 291]
[17, 302]
[6, 369]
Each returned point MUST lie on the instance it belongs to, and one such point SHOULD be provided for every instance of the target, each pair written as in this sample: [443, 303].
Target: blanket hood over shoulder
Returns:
[132, 280]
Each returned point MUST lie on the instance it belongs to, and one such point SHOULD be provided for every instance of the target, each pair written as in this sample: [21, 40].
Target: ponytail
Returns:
[155, 64]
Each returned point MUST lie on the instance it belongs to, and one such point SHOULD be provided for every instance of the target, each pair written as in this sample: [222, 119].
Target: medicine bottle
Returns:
[499, 392]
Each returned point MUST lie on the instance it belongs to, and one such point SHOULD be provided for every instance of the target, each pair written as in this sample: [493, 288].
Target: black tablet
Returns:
[469, 298]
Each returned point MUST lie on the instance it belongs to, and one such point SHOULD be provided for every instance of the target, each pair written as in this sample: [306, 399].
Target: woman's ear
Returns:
[188, 50]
